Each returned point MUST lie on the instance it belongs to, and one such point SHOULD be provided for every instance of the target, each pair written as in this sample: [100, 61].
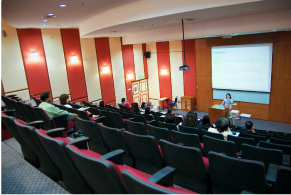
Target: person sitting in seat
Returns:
[101, 104]
[64, 100]
[147, 111]
[204, 123]
[126, 104]
[134, 107]
[222, 126]
[143, 105]
[249, 127]
[170, 118]
[51, 110]
[122, 101]
[190, 120]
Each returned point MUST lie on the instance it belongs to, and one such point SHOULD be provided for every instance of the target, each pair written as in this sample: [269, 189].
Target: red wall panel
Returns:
[75, 69]
[106, 76]
[190, 76]
[128, 65]
[164, 69]
[33, 55]
[145, 63]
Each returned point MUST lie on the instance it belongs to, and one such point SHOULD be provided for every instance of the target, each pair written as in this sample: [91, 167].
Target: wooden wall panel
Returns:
[279, 109]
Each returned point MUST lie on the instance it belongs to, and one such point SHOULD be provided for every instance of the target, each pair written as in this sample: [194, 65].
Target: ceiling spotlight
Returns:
[50, 14]
[43, 24]
[62, 5]
[274, 30]
[44, 20]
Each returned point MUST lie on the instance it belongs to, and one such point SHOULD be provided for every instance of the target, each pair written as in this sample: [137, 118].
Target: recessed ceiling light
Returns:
[206, 36]
[44, 20]
[43, 24]
[62, 5]
[274, 30]
[50, 14]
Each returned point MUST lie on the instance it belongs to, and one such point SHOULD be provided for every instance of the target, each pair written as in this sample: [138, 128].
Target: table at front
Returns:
[217, 111]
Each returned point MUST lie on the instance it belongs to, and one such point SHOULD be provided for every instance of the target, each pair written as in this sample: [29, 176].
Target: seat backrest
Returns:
[190, 171]
[257, 138]
[91, 130]
[186, 139]
[27, 151]
[159, 133]
[43, 116]
[232, 175]
[136, 127]
[70, 175]
[127, 115]
[22, 115]
[159, 118]
[170, 126]
[117, 120]
[114, 139]
[37, 101]
[218, 145]
[191, 130]
[282, 185]
[138, 185]
[94, 110]
[100, 175]
[279, 141]
[29, 135]
[264, 155]
[149, 117]
[82, 114]
[145, 151]
[239, 141]
[210, 134]
[108, 119]
[140, 118]
[285, 148]
[284, 137]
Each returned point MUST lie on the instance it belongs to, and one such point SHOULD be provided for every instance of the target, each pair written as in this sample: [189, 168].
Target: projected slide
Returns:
[242, 67]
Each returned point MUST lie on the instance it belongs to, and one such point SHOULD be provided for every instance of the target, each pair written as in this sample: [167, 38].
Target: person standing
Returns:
[227, 102]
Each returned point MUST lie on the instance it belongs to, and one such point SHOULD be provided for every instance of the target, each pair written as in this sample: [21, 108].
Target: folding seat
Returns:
[179, 119]
[210, 134]
[149, 117]
[239, 141]
[280, 141]
[145, 151]
[159, 118]
[191, 130]
[156, 113]
[138, 185]
[231, 175]
[27, 151]
[114, 139]
[47, 165]
[159, 133]
[218, 145]
[108, 119]
[264, 155]
[186, 139]
[136, 127]
[256, 138]
[75, 106]
[170, 126]
[190, 166]
[140, 118]
[282, 185]
[91, 130]
[118, 121]
[286, 149]
[21, 112]
[127, 115]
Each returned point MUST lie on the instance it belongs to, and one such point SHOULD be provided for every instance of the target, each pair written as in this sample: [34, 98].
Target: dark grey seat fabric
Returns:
[159, 133]
[217, 145]
[239, 141]
[136, 127]
[282, 185]
[186, 139]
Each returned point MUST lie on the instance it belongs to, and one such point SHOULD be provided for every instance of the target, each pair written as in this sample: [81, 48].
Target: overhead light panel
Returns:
[62, 5]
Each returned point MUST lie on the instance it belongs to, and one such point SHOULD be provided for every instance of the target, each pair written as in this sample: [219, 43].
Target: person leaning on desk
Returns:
[227, 102]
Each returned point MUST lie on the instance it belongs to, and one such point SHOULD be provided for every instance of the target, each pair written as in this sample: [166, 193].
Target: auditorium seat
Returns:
[117, 120]
[218, 145]
[256, 138]
[108, 119]
[27, 151]
[159, 133]
[145, 151]
[264, 155]
[149, 117]
[91, 130]
[47, 165]
[114, 139]
[136, 127]
[186, 129]
[190, 167]
[210, 134]
[55, 147]
[231, 175]
[138, 185]
[170, 126]
[140, 118]
[239, 141]
[186, 139]
[282, 185]
[280, 141]
[159, 118]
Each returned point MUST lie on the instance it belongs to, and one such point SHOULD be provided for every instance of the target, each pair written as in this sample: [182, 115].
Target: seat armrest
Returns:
[80, 142]
[9, 112]
[99, 119]
[164, 176]
[58, 132]
[180, 144]
[272, 173]
[36, 123]
[115, 156]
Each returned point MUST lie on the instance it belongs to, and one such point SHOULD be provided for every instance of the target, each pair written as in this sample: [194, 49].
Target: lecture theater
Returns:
[146, 96]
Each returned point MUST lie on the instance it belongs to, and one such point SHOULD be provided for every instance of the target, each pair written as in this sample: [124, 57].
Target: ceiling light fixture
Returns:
[62, 5]
[44, 20]
[50, 14]
[184, 67]
[43, 24]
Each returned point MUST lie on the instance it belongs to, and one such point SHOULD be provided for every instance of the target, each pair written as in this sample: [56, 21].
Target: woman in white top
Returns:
[222, 126]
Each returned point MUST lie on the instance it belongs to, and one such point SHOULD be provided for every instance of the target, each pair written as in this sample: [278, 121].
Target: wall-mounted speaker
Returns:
[4, 33]
[147, 54]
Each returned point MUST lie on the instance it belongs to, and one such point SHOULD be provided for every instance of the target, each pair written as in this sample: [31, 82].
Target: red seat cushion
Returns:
[71, 124]
[202, 146]
[65, 140]
[89, 153]
[206, 163]
[124, 120]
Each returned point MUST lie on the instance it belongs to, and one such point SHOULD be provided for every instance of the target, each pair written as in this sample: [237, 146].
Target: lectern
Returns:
[217, 111]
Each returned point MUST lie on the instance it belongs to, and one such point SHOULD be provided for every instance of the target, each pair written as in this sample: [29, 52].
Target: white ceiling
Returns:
[141, 20]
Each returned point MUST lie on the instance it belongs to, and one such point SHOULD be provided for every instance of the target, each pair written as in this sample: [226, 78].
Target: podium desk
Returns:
[187, 103]
[217, 111]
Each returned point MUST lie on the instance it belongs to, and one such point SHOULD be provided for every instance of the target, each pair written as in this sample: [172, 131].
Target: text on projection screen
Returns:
[242, 67]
